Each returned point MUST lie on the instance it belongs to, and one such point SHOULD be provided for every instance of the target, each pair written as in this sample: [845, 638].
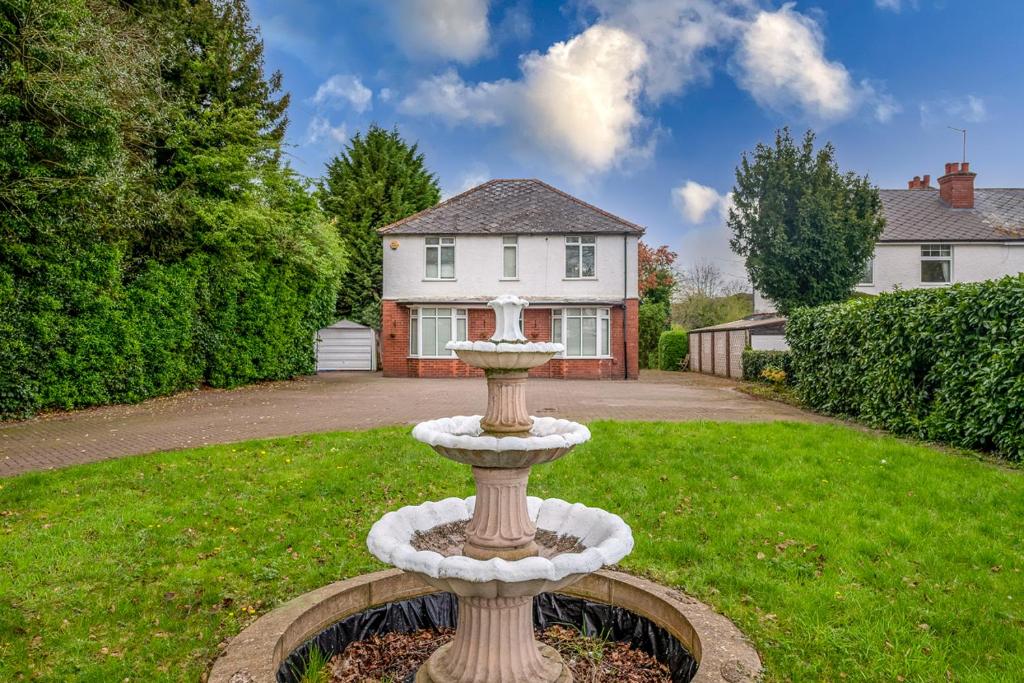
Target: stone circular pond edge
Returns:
[722, 651]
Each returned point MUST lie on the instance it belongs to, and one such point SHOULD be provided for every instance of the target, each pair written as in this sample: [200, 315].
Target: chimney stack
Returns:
[956, 187]
[919, 183]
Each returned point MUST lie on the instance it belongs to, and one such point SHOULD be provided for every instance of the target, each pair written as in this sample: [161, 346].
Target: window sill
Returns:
[582, 357]
[451, 357]
[439, 279]
[572, 279]
[508, 279]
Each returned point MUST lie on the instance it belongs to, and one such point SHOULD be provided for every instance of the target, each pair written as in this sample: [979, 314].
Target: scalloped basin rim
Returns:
[505, 347]
[607, 539]
[464, 432]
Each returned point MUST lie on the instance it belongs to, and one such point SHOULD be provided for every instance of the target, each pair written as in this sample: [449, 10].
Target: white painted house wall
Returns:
[899, 265]
[478, 269]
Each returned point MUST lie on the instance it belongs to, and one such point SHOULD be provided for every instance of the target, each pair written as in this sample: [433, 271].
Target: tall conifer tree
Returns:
[376, 180]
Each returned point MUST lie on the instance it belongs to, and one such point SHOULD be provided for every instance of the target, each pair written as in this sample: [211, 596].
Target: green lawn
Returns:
[843, 555]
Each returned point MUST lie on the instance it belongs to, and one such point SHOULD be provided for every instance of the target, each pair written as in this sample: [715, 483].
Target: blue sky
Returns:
[644, 106]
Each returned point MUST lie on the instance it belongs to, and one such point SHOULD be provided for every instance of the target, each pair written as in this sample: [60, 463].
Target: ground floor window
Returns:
[936, 263]
[431, 328]
[585, 332]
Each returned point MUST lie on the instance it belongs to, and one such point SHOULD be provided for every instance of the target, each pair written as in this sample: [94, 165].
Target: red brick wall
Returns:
[395, 360]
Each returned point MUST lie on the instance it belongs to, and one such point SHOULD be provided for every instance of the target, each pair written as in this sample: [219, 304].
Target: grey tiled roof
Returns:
[920, 216]
[520, 206]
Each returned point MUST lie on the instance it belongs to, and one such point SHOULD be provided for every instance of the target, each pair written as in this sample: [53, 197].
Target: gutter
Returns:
[625, 307]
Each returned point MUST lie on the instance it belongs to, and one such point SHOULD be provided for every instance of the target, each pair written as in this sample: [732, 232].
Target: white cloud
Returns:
[950, 111]
[678, 35]
[577, 102]
[448, 29]
[452, 99]
[320, 129]
[385, 94]
[896, 5]
[695, 201]
[580, 98]
[341, 88]
[781, 62]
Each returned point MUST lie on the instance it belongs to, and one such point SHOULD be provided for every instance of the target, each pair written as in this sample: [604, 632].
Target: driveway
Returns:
[344, 401]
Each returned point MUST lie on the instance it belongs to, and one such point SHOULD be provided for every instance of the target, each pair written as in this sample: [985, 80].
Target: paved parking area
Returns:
[339, 401]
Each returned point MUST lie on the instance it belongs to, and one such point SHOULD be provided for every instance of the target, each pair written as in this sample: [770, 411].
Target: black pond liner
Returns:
[440, 610]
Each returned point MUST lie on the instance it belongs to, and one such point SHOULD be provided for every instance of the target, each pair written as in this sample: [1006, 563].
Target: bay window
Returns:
[440, 256]
[580, 253]
[936, 263]
[585, 332]
[431, 328]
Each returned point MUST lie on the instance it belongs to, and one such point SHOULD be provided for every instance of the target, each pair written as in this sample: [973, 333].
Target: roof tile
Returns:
[518, 206]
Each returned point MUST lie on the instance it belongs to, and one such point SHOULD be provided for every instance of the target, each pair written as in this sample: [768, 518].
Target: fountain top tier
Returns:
[508, 350]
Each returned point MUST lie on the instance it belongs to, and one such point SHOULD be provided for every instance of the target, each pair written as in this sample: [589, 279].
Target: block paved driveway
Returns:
[346, 400]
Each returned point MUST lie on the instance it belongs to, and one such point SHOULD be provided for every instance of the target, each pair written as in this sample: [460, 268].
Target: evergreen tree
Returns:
[806, 229]
[376, 180]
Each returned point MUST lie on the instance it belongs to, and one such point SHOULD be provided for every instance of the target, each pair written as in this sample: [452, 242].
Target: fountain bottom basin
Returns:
[721, 652]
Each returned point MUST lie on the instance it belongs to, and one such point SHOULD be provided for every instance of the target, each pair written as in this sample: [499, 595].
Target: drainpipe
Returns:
[625, 307]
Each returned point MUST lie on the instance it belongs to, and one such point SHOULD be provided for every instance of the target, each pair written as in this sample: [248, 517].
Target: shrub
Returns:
[756, 363]
[653, 321]
[673, 346]
[939, 364]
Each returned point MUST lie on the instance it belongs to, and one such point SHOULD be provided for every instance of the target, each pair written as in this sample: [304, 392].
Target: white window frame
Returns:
[560, 320]
[869, 270]
[432, 247]
[510, 243]
[579, 243]
[936, 252]
[460, 328]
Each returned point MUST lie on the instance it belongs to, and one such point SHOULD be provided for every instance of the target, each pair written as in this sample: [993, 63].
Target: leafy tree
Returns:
[657, 278]
[150, 237]
[806, 229]
[376, 180]
[657, 282]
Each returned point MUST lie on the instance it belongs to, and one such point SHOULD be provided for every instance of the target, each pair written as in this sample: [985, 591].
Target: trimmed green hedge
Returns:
[673, 345]
[755, 362]
[939, 364]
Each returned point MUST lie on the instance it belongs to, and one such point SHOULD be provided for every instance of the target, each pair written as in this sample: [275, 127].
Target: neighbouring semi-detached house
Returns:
[575, 263]
[936, 237]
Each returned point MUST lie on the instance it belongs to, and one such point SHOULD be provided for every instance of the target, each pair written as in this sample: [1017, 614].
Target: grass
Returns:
[843, 555]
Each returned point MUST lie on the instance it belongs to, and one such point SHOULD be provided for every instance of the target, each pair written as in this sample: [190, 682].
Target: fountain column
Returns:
[494, 643]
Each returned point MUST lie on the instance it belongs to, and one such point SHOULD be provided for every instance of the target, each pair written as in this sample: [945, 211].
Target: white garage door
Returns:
[345, 348]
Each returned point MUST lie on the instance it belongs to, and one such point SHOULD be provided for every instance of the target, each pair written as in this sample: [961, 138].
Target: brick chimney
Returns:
[919, 183]
[956, 187]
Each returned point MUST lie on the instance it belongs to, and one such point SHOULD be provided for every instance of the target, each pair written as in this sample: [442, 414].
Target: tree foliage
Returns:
[150, 238]
[376, 180]
[806, 229]
[657, 276]
[657, 282]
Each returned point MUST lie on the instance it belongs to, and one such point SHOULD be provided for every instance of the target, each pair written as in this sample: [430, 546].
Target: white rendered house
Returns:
[575, 263]
[937, 237]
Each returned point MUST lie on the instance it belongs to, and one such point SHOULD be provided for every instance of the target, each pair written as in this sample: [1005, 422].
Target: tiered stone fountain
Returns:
[499, 549]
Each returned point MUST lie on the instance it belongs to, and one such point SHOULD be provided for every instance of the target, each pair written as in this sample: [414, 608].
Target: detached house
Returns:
[575, 263]
[934, 237]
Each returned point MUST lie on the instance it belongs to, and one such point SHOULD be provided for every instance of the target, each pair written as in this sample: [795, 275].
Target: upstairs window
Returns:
[431, 328]
[510, 257]
[580, 253]
[867, 277]
[585, 332]
[440, 258]
[936, 263]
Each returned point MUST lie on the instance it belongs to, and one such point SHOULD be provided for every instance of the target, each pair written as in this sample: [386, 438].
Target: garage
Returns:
[346, 345]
